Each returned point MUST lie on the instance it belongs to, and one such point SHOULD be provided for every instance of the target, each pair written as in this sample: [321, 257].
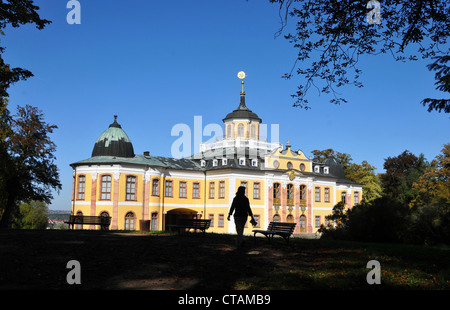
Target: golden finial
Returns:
[242, 75]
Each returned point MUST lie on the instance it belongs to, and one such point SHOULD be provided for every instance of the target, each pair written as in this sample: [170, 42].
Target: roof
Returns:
[154, 161]
[113, 142]
[242, 112]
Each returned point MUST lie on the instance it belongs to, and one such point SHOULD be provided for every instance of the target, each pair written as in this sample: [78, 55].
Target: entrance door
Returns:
[302, 224]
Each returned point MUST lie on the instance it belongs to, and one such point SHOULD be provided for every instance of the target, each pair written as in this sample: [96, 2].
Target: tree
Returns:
[33, 215]
[442, 77]
[433, 186]
[16, 13]
[28, 171]
[430, 209]
[339, 31]
[401, 172]
[363, 173]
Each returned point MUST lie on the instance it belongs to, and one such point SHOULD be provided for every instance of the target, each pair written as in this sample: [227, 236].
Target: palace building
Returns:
[282, 184]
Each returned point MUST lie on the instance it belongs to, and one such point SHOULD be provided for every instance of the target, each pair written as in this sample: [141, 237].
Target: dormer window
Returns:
[254, 163]
[224, 161]
[203, 163]
[316, 169]
[326, 170]
[215, 162]
[242, 161]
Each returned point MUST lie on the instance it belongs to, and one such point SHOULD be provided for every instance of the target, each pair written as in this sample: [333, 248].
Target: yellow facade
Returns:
[282, 184]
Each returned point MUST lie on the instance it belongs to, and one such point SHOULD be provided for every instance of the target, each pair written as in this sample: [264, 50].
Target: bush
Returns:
[430, 224]
[381, 220]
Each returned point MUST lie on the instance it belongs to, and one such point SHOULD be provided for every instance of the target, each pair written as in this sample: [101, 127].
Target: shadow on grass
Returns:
[115, 260]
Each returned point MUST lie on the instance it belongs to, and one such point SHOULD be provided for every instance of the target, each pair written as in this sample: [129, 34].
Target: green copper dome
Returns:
[113, 142]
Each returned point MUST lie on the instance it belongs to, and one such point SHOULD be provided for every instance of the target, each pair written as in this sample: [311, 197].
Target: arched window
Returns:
[276, 190]
[154, 222]
[276, 218]
[290, 191]
[240, 130]
[229, 131]
[79, 220]
[155, 187]
[290, 218]
[302, 224]
[253, 131]
[130, 221]
[302, 192]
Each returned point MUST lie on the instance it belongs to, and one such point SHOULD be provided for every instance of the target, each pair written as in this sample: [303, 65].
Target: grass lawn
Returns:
[191, 261]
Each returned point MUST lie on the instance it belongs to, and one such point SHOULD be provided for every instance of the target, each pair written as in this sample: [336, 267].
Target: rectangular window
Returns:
[256, 190]
[221, 220]
[182, 189]
[212, 186]
[155, 187]
[168, 189]
[317, 194]
[327, 194]
[196, 190]
[343, 197]
[257, 220]
[211, 217]
[222, 189]
[356, 197]
[131, 188]
[317, 221]
[243, 183]
[81, 187]
[105, 187]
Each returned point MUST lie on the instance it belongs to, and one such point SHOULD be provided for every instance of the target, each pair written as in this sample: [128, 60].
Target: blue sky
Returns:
[160, 63]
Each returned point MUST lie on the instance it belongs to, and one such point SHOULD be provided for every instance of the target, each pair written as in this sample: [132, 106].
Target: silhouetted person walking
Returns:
[241, 208]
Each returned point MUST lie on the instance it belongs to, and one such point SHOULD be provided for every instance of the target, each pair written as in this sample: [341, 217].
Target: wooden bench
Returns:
[284, 230]
[103, 221]
[191, 224]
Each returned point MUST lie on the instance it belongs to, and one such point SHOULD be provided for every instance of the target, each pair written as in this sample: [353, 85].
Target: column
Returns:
[115, 215]
[309, 219]
[93, 196]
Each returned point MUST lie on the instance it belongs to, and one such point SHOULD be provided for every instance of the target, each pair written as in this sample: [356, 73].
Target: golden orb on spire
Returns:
[242, 75]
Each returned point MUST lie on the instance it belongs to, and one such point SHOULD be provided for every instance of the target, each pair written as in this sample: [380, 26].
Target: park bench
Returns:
[284, 230]
[191, 224]
[103, 221]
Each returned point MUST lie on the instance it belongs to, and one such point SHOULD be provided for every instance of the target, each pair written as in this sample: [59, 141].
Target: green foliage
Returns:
[414, 208]
[28, 171]
[363, 173]
[402, 172]
[32, 215]
[331, 35]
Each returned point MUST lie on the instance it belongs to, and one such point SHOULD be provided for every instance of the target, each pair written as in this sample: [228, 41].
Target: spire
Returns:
[242, 105]
[242, 76]
[115, 123]
[242, 111]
